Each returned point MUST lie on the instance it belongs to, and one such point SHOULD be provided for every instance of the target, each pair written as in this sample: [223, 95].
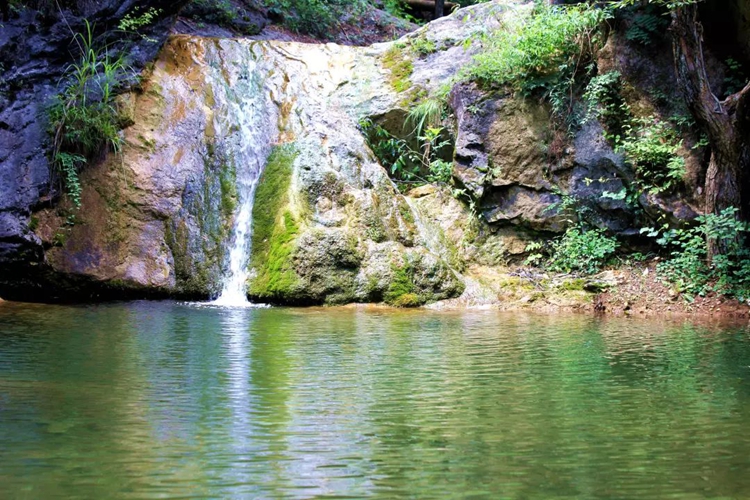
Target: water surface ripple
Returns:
[165, 400]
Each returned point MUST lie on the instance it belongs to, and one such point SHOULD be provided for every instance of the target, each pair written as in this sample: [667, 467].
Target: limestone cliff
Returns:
[329, 225]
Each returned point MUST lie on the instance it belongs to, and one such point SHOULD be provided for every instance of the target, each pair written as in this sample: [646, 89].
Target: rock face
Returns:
[158, 216]
[329, 225]
[35, 48]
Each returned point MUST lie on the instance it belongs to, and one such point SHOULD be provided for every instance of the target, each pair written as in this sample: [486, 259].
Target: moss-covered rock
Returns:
[275, 231]
[197, 233]
[398, 63]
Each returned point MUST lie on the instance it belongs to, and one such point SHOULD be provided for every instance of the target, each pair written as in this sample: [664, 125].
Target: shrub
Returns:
[651, 147]
[542, 54]
[688, 266]
[220, 12]
[581, 249]
[316, 17]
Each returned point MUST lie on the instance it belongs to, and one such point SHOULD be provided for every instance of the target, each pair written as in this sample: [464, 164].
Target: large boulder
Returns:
[36, 47]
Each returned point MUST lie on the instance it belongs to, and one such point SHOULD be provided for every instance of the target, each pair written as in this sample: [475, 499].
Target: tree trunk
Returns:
[725, 122]
[439, 8]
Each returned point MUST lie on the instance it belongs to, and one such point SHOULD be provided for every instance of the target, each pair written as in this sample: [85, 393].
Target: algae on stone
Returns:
[275, 229]
[400, 68]
[208, 206]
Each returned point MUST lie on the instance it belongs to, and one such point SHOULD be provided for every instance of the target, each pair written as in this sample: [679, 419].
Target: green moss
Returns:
[402, 290]
[276, 277]
[200, 251]
[516, 284]
[406, 213]
[228, 187]
[400, 68]
[572, 285]
[33, 223]
[275, 228]
[408, 300]
[413, 97]
[271, 196]
[192, 276]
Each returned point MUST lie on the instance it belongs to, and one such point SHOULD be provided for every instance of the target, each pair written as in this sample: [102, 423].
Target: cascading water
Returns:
[247, 122]
[233, 292]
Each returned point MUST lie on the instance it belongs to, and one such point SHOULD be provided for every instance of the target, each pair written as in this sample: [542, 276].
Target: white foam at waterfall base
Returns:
[233, 293]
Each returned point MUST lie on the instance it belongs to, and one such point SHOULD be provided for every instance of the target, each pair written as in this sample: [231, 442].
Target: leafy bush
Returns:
[649, 145]
[316, 17]
[541, 54]
[220, 12]
[648, 23]
[652, 147]
[606, 104]
[581, 249]
[441, 171]
[84, 120]
[688, 266]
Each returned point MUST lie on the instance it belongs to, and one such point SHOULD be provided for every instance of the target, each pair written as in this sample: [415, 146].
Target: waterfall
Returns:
[233, 291]
[247, 123]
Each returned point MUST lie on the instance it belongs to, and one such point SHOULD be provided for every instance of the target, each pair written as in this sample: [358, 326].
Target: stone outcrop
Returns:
[36, 46]
[329, 225]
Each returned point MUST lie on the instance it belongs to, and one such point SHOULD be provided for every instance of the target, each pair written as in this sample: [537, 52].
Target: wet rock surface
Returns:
[36, 47]
[329, 224]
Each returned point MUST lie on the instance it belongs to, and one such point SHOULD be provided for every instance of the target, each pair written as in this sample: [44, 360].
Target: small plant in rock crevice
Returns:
[84, 120]
[137, 19]
[407, 164]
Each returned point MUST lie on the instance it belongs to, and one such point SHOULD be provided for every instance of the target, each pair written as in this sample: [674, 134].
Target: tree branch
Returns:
[690, 66]
[737, 100]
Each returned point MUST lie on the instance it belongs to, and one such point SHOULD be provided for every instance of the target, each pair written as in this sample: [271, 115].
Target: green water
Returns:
[165, 400]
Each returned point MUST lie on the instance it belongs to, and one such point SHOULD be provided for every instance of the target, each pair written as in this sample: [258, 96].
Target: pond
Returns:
[163, 399]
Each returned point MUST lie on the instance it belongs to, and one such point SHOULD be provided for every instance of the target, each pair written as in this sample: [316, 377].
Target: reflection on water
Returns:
[153, 400]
